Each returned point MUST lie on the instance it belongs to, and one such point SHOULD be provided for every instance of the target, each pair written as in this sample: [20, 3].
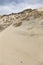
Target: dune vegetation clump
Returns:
[17, 24]
[1, 27]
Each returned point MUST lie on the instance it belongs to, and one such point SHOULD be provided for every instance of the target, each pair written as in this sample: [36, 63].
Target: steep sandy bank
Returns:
[17, 49]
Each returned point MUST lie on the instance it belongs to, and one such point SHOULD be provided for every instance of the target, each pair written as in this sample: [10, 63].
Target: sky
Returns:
[14, 6]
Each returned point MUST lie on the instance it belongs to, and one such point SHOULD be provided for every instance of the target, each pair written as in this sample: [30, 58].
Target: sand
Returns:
[19, 49]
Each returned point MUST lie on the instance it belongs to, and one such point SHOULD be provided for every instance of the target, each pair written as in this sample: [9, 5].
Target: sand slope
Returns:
[17, 49]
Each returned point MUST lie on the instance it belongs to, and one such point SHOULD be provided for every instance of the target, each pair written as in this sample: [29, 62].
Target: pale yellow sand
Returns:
[18, 49]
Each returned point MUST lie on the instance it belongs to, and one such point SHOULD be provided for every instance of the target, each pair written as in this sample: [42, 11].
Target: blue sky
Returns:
[9, 6]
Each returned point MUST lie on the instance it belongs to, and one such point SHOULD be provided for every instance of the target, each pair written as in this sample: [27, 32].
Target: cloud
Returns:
[13, 6]
[4, 2]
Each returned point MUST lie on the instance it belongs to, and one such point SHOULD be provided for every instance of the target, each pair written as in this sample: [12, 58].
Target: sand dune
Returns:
[16, 49]
[21, 38]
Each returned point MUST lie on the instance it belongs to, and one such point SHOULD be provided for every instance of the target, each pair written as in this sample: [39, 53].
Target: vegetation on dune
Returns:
[17, 24]
[18, 18]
